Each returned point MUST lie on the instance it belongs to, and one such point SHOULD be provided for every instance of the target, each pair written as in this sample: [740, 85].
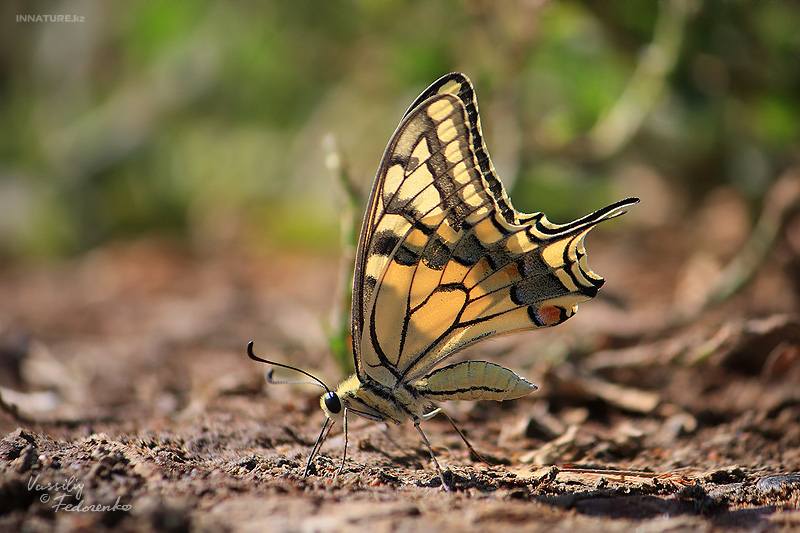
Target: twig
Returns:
[782, 197]
[644, 89]
[339, 325]
[14, 411]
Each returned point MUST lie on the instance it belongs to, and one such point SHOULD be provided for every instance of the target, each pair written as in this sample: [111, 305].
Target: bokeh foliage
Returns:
[206, 120]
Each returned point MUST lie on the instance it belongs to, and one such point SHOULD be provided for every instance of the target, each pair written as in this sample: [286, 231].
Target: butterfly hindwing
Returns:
[444, 260]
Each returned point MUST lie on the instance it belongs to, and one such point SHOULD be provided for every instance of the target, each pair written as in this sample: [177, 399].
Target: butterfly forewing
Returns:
[444, 260]
[460, 86]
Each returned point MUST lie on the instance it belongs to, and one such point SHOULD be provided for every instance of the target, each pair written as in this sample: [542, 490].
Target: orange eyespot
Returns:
[549, 315]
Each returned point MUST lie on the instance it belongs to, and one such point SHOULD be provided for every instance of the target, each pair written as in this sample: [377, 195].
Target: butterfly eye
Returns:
[333, 403]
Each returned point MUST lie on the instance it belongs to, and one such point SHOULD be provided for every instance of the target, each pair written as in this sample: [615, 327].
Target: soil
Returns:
[130, 403]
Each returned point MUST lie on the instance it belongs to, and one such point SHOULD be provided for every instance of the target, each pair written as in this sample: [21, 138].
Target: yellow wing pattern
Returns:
[444, 260]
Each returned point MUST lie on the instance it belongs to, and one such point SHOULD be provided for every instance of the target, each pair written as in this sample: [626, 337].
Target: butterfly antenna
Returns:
[318, 382]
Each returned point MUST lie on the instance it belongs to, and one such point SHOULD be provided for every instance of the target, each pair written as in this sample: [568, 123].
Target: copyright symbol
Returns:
[44, 498]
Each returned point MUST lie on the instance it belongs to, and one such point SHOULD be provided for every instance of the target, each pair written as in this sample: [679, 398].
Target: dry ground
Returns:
[128, 395]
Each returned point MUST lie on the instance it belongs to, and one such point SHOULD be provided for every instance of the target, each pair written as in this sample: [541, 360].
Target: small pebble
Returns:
[778, 481]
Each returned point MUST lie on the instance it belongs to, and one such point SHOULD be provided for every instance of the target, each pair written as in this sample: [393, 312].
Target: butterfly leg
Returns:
[445, 486]
[344, 455]
[318, 445]
[472, 450]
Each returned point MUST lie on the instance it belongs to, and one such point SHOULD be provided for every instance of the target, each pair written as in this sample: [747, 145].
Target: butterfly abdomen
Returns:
[473, 380]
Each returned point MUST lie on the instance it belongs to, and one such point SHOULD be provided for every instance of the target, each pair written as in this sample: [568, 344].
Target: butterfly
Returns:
[444, 261]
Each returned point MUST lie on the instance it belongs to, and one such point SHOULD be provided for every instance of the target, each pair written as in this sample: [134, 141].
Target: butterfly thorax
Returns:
[378, 402]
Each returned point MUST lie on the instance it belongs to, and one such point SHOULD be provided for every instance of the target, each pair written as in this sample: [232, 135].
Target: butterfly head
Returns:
[335, 402]
[331, 404]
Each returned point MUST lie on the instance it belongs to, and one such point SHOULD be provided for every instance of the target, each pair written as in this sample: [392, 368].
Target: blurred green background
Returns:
[207, 120]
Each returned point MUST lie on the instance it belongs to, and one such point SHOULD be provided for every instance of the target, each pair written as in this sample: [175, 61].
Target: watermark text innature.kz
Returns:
[51, 18]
